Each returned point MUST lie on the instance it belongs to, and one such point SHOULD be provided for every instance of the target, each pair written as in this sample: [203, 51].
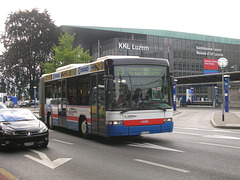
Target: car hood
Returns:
[28, 125]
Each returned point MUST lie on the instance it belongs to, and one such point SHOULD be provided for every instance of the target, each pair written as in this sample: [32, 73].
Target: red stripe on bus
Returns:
[89, 120]
[72, 118]
[55, 115]
[142, 122]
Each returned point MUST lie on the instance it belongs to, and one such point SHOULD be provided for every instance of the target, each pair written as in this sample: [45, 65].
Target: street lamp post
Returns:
[216, 96]
[175, 95]
[222, 63]
[226, 78]
[192, 91]
[34, 87]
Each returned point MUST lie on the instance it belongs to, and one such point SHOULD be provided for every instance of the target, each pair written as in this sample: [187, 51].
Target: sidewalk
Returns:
[231, 120]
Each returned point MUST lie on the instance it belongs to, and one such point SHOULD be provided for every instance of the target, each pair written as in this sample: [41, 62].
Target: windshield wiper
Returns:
[164, 109]
[24, 120]
[123, 111]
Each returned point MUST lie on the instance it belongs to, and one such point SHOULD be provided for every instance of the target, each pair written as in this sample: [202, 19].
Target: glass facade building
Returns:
[188, 54]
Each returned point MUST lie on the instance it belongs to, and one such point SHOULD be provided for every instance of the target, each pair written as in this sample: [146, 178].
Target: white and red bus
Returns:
[113, 96]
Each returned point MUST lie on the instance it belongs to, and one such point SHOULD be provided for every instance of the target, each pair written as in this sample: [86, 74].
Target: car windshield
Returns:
[138, 87]
[15, 115]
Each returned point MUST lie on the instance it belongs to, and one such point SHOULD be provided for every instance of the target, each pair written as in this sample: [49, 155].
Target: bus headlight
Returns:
[168, 120]
[114, 122]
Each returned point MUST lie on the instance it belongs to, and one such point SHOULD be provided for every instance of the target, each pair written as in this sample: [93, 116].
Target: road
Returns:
[195, 150]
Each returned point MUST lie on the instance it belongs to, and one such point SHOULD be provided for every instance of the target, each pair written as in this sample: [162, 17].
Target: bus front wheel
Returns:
[50, 121]
[84, 128]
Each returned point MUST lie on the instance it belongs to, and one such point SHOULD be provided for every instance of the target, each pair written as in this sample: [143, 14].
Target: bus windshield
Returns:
[140, 87]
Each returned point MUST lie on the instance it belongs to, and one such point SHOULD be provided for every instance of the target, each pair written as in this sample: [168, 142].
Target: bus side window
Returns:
[82, 89]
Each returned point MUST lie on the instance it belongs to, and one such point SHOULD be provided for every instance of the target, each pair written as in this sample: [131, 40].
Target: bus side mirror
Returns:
[109, 82]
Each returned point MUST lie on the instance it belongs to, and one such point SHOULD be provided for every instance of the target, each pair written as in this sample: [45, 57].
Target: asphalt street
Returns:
[195, 150]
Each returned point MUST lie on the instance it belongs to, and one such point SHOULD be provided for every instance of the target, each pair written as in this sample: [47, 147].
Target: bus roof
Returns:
[69, 66]
[117, 57]
[96, 66]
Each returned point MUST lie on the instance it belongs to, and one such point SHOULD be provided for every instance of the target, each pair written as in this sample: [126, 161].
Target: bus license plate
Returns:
[145, 132]
[29, 144]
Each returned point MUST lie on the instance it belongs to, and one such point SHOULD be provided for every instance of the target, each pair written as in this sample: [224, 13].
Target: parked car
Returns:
[27, 103]
[20, 127]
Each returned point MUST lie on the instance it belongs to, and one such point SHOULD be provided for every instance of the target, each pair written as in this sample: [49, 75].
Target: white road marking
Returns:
[209, 136]
[186, 133]
[46, 161]
[162, 166]
[221, 137]
[153, 146]
[209, 130]
[219, 145]
[64, 142]
[201, 129]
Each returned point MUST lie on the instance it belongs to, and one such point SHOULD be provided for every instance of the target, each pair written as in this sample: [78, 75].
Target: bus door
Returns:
[62, 103]
[98, 104]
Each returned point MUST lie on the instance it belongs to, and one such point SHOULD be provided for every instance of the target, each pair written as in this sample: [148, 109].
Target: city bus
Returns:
[113, 96]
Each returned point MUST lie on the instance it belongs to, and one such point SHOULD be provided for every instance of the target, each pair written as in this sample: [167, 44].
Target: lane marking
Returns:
[209, 130]
[162, 166]
[209, 136]
[6, 174]
[64, 142]
[200, 129]
[46, 161]
[194, 134]
[221, 137]
[153, 146]
[219, 145]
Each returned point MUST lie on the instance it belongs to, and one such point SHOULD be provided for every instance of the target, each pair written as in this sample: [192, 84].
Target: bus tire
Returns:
[83, 128]
[50, 121]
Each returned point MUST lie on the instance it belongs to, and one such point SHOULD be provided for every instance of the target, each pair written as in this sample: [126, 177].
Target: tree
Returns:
[65, 54]
[28, 38]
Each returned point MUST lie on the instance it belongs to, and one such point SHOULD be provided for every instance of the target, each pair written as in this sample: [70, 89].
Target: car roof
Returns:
[15, 109]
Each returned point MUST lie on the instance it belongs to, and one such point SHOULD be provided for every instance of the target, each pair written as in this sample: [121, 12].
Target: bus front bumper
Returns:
[122, 130]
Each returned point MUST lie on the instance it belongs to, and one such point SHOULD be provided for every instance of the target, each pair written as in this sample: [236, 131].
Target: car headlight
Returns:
[43, 130]
[10, 133]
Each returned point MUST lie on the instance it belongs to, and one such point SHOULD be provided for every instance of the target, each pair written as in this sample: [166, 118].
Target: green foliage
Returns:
[28, 38]
[65, 54]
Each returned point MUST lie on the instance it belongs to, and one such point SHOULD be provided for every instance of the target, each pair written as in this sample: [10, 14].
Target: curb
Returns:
[176, 112]
[227, 126]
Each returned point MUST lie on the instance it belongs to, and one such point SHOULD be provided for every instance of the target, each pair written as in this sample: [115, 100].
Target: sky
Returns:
[207, 17]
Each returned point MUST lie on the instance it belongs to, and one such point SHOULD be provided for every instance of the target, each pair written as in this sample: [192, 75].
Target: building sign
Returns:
[210, 66]
[133, 47]
[206, 51]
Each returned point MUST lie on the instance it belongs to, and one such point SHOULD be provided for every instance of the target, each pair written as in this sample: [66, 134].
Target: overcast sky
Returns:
[208, 17]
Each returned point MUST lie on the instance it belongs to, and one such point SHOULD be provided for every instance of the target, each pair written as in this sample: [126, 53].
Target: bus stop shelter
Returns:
[205, 80]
